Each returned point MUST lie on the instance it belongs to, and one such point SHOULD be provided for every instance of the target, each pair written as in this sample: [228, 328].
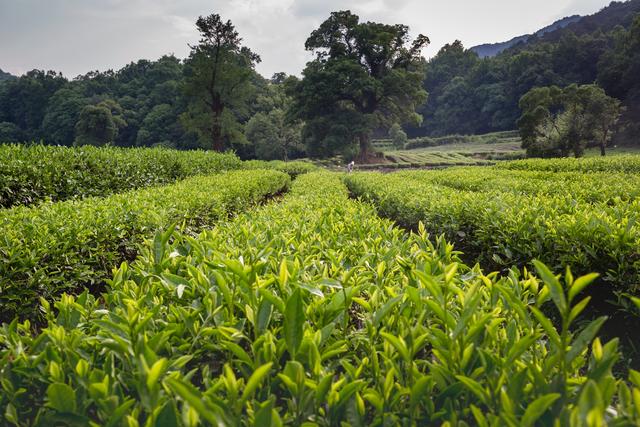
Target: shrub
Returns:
[65, 246]
[293, 168]
[314, 311]
[588, 222]
[30, 174]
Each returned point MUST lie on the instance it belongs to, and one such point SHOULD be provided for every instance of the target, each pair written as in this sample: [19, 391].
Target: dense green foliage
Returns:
[64, 246]
[313, 311]
[619, 164]
[293, 169]
[218, 82]
[468, 95]
[502, 218]
[30, 174]
[366, 76]
[557, 121]
[148, 103]
[397, 135]
[95, 126]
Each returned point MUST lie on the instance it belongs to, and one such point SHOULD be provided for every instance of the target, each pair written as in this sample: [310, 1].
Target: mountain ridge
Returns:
[492, 49]
[6, 76]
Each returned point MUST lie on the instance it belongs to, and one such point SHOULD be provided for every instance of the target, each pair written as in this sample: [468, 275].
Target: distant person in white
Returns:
[350, 167]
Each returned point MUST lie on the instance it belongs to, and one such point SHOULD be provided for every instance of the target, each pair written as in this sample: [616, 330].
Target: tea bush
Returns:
[293, 168]
[64, 246]
[623, 163]
[610, 187]
[311, 312]
[503, 218]
[30, 174]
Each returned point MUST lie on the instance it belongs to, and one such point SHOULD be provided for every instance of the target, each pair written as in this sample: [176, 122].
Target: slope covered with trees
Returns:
[469, 95]
[5, 76]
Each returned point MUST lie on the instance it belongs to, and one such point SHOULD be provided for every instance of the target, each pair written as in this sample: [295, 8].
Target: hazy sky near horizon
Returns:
[77, 36]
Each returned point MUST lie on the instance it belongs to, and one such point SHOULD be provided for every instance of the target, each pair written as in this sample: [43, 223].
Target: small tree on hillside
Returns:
[556, 122]
[95, 126]
[397, 135]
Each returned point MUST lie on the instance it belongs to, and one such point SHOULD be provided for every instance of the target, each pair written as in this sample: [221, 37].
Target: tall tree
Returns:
[368, 72]
[218, 82]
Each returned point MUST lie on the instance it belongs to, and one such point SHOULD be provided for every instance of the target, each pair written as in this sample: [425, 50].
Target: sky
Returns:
[78, 36]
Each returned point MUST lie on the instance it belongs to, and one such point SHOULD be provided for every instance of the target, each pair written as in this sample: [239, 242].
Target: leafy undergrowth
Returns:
[65, 246]
[32, 173]
[314, 311]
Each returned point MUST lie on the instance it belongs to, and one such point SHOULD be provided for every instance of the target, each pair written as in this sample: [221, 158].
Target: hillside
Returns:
[469, 95]
[616, 14]
[493, 49]
[5, 75]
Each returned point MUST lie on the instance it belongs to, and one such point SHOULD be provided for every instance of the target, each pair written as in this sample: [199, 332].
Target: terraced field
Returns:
[311, 309]
[449, 151]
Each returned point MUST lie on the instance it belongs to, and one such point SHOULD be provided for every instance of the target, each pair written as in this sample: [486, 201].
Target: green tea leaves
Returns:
[294, 322]
[61, 397]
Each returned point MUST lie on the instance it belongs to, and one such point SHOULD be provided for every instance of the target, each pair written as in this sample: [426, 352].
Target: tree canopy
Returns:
[556, 122]
[218, 83]
[365, 76]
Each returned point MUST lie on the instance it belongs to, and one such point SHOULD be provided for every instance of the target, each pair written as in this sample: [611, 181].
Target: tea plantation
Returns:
[279, 295]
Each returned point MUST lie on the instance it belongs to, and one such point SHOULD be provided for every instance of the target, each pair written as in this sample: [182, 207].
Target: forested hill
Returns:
[618, 13]
[5, 75]
[492, 49]
[469, 95]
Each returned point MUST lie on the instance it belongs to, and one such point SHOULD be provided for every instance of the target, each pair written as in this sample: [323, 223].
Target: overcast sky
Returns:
[77, 36]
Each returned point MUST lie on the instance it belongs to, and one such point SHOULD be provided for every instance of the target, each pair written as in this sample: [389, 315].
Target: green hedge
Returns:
[436, 141]
[315, 312]
[585, 224]
[61, 247]
[626, 163]
[32, 173]
[293, 168]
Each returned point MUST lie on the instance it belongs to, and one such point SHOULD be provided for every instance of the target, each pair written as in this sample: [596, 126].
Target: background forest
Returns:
[470, 91]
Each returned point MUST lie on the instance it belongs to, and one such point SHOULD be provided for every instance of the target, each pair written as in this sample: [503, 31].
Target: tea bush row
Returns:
[502, 227]
[628, 163]
[610, 187]
[67, 245]
[314, 312]
[293, 168]
[30, 174]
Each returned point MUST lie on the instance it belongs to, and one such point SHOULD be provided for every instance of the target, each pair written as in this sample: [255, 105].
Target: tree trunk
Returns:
[365, 143]
[216, 136]
[603, 143]
[217, 140]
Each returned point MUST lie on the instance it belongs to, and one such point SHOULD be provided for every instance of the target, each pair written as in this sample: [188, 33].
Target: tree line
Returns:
[366, 78]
